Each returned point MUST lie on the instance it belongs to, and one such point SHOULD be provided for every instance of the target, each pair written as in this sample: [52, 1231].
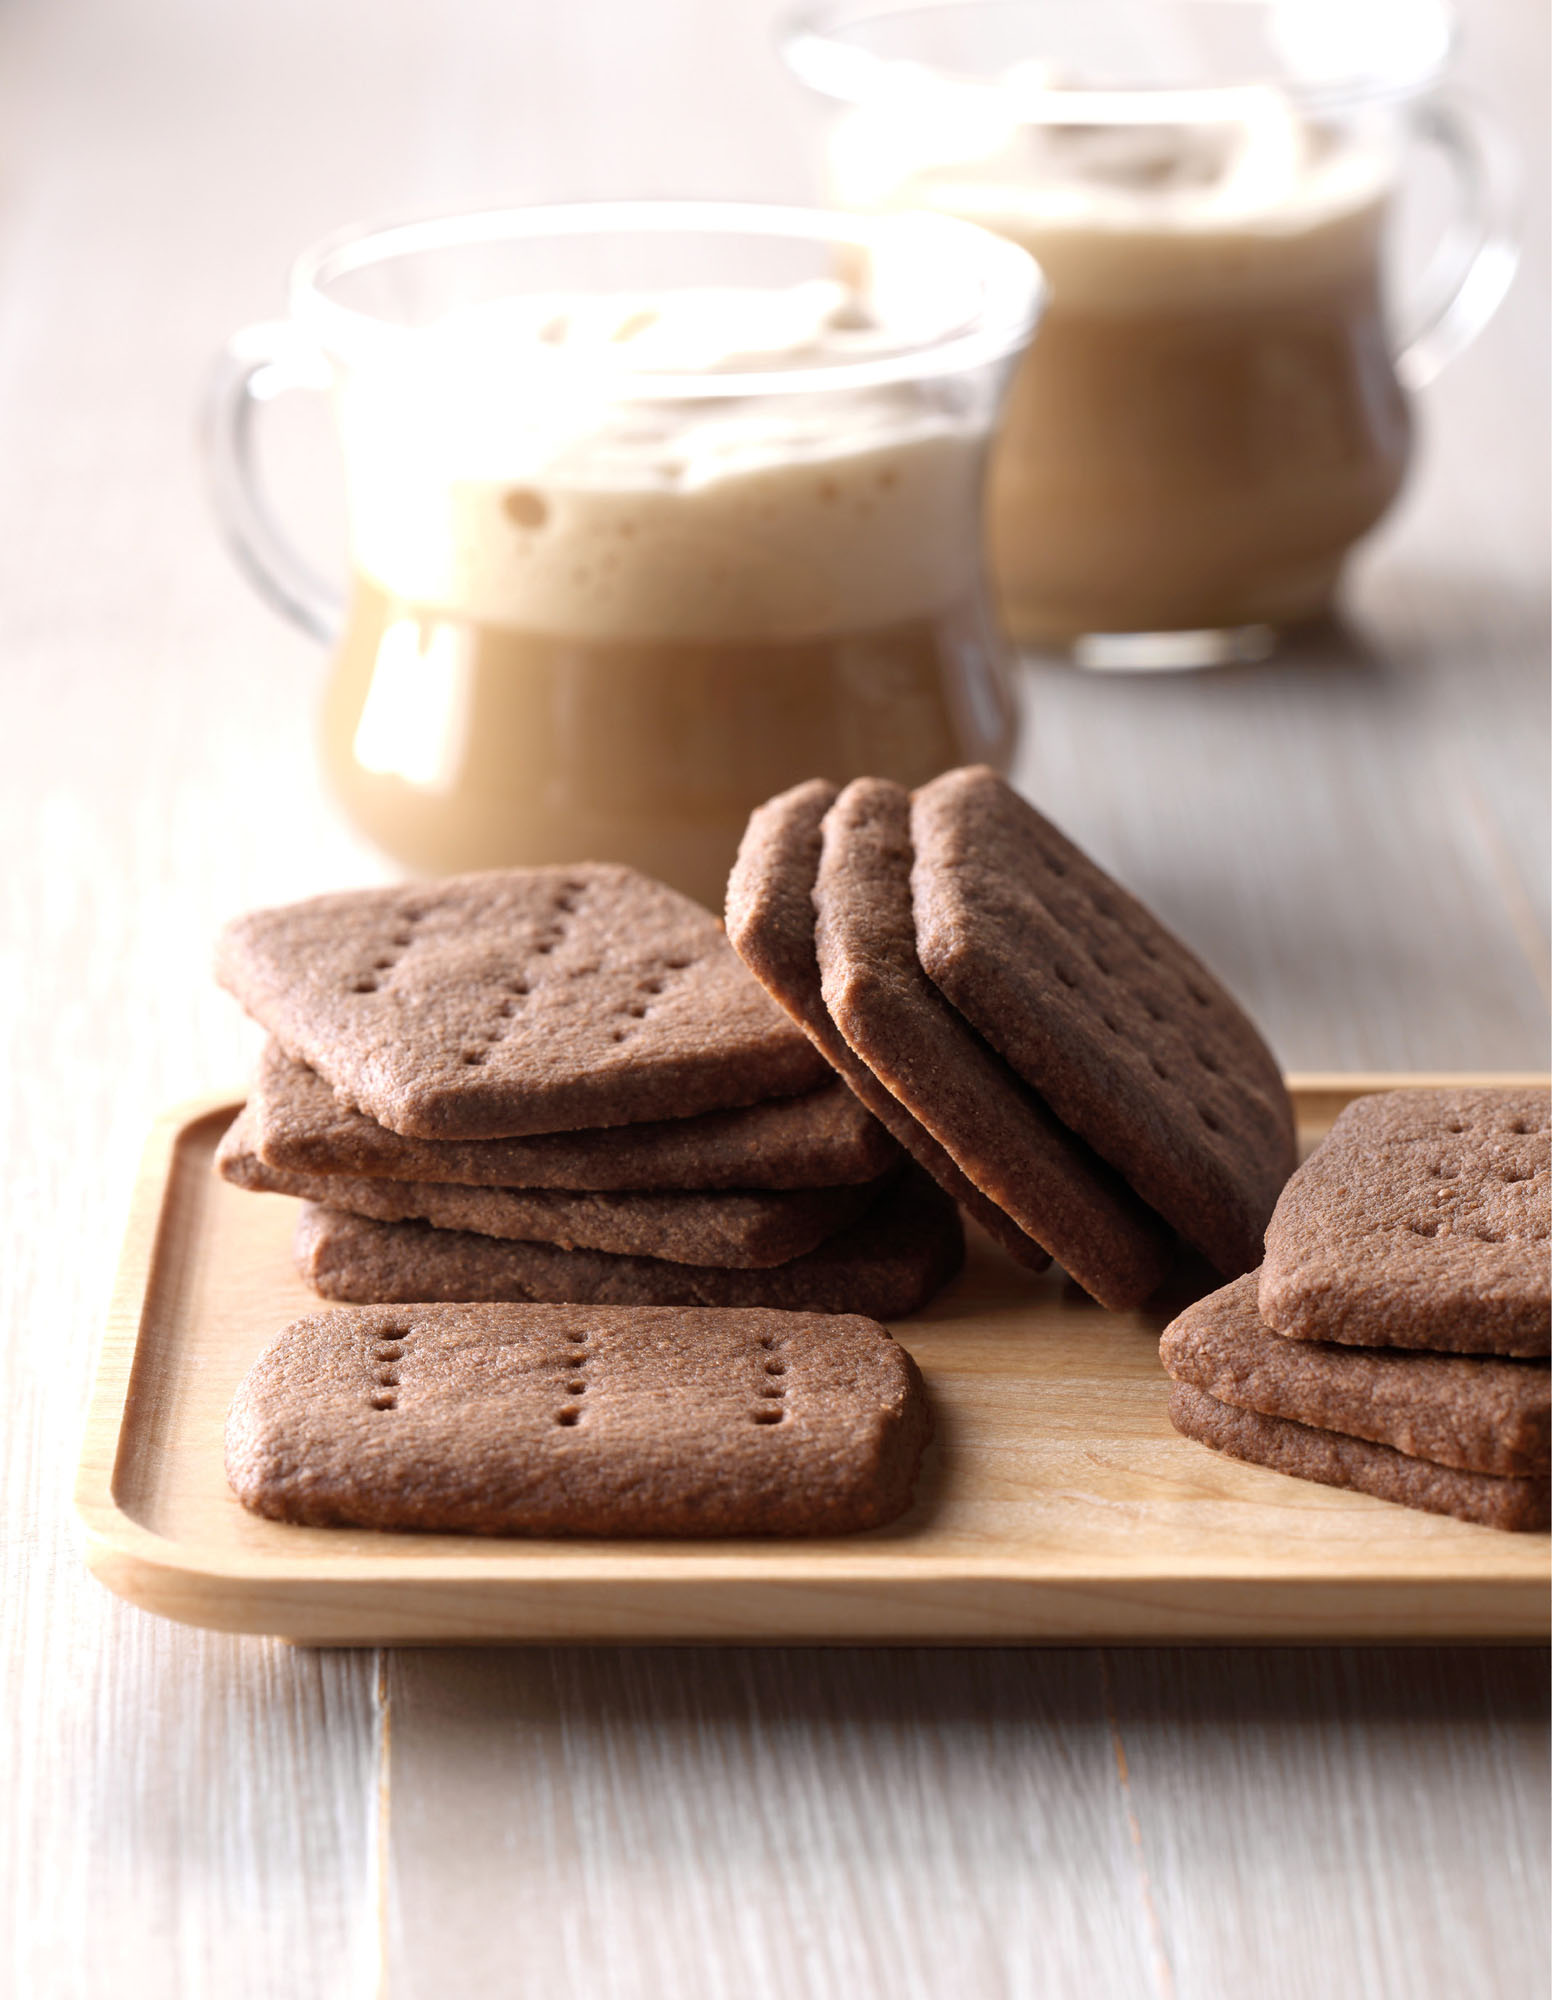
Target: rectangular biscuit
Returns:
[1477, 1413]
[570, 1420]
[904, 1249]
[743, 1230]
[1330, 1459]
[1105, 1013]
[823, 1138]
[1423, 1220]
[516, 1001]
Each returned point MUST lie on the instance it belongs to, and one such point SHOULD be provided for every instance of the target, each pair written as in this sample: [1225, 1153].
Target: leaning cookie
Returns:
[564, 1420]
[1423, 1220]
[1128, 1037]
[1000, 1135]
[1471, 1412]
[1331, 1459]
[905, 1249]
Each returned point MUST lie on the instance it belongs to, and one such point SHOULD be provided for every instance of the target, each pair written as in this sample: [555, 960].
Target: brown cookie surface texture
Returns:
[1471, 1412]
[568, 1420]
[1126, 1035]
[823, 1138]
[1423, 1220]
[518, 1001]
[903, 1250]
[1331, 1459]
[770, 922]
[996, 1130]
[741, 1230]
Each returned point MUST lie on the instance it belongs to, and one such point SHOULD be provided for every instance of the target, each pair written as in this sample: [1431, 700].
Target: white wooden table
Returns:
[1355, 837]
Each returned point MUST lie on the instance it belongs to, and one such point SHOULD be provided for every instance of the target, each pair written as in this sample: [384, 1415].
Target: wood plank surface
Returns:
[1339, 1822]
[1165, 1824]
[190, 1815]
[761, 1824]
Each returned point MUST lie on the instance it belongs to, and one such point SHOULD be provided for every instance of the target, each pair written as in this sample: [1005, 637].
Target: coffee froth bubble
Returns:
[504, 466]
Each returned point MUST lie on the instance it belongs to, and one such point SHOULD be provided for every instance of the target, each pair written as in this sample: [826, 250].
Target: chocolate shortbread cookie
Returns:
[903, 1250]
[770, 921]
[1126, 1035]
[745, 1231]
[1423, 1220]
[824, 1138]
[1476, 1414]
[572, 1420]
[1331, 1459]
[523, 1000]
[997, 1131]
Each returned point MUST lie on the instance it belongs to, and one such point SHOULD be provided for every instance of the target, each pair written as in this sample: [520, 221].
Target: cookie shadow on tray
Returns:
[934, 1482]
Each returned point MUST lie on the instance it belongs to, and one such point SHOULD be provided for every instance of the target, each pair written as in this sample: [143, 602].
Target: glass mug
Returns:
[1215, 410]
[654, 510]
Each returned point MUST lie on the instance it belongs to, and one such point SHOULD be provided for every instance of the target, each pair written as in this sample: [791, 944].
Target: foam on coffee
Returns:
[503, 464]
[1254, 206]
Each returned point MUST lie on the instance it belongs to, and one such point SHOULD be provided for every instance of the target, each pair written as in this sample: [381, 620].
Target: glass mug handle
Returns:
[1473, 267]
[261, 363]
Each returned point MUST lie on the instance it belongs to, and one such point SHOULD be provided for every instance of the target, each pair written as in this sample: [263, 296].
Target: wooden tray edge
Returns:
[987, 1610]
[97, 1511]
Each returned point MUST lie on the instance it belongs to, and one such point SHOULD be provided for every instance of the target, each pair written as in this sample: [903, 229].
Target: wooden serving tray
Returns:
[1056, 1503]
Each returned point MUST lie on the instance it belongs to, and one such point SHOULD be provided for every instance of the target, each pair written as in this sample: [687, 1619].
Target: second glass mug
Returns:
[654, 510]
[1214, 412]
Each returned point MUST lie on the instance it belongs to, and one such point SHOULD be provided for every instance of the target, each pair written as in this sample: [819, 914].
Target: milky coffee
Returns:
[584, 628]
[1209, 417]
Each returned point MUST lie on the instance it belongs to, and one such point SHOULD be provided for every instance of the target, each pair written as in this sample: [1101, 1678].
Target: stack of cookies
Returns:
[1039, 1043]
[560, 1085]
[1395, 1339]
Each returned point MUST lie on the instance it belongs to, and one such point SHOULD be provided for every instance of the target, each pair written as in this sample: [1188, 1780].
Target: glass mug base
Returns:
[1172, 652]
[1220, 628]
